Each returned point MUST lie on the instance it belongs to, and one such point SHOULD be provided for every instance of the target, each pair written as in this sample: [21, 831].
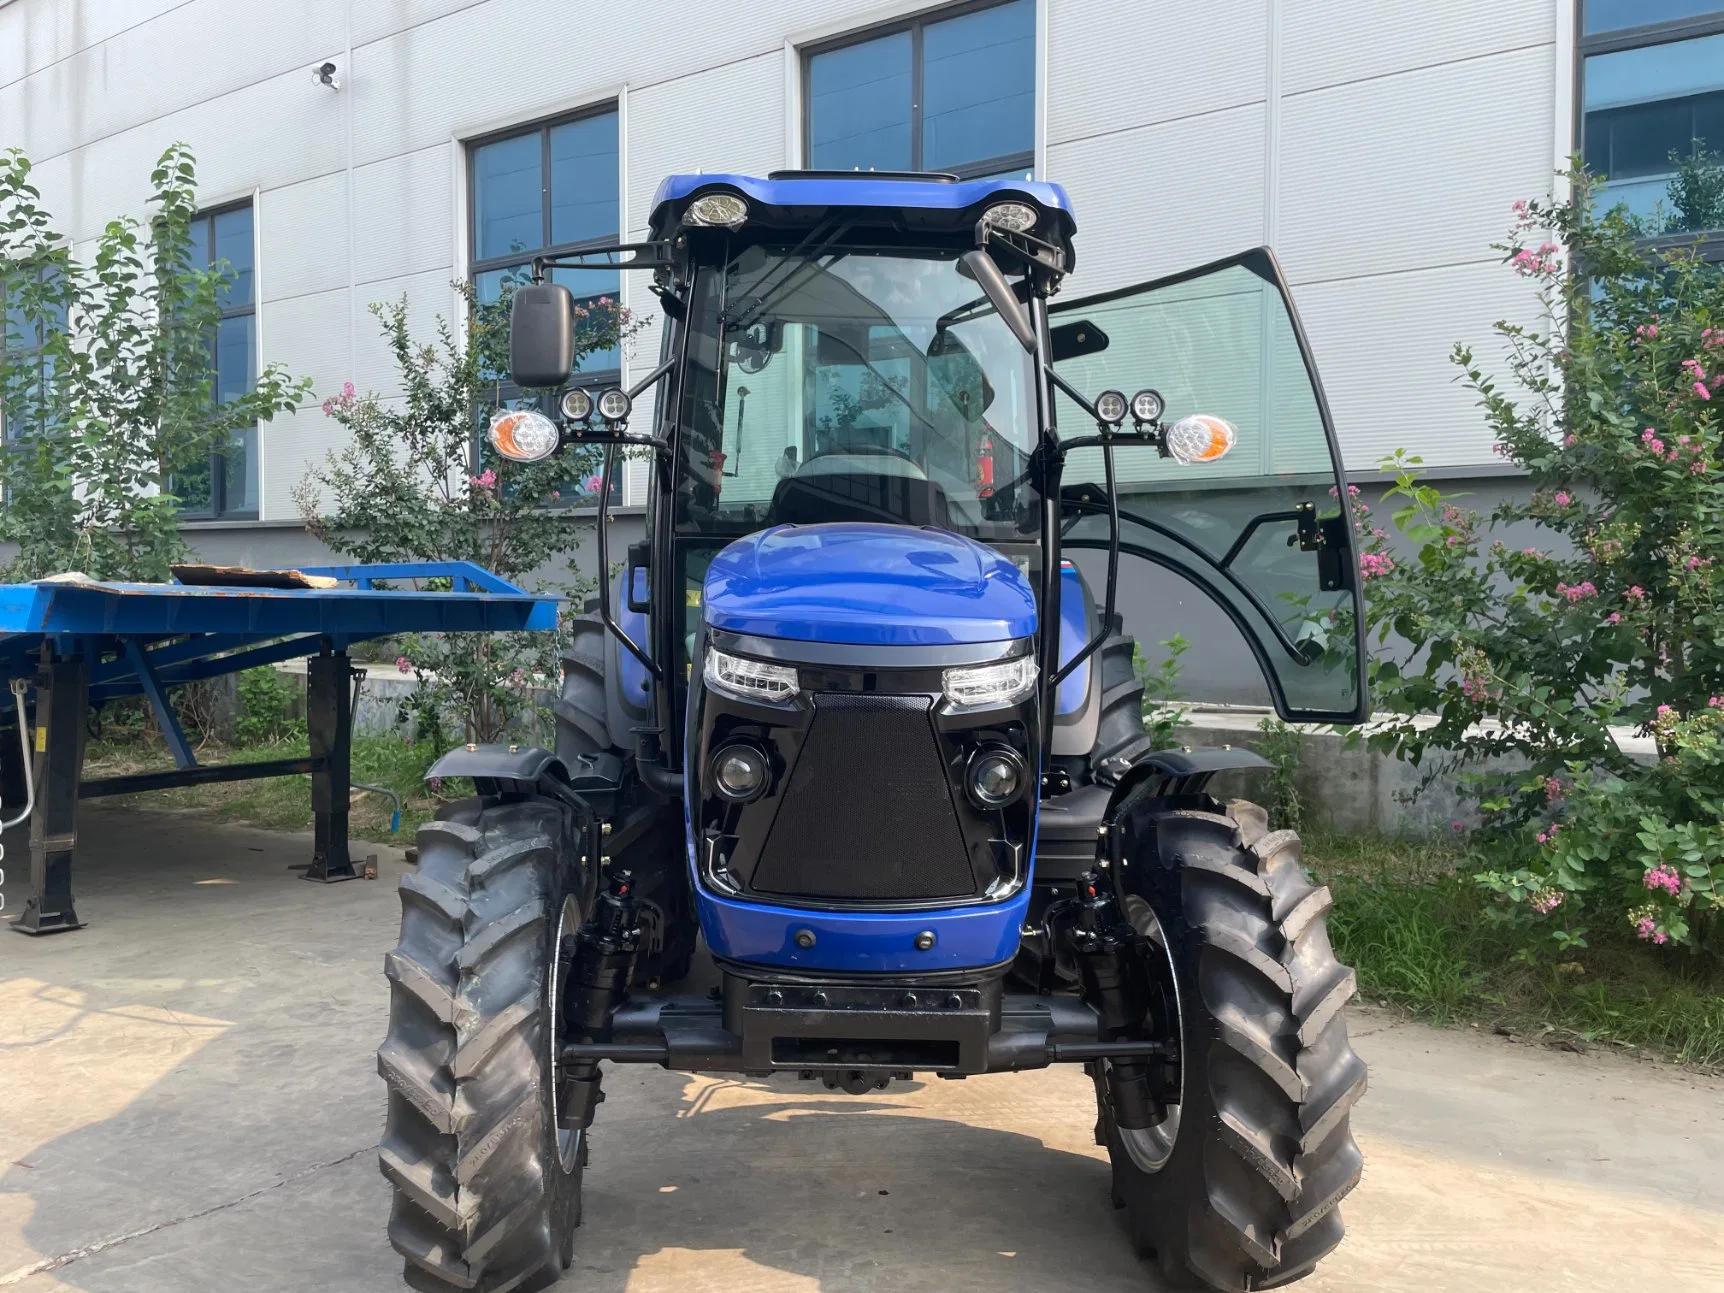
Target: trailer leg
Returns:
[62, 706]
[329, 724]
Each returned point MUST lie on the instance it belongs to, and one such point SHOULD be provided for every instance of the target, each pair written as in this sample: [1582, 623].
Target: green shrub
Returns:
[1162, 719]
[268, 708]
[1609, 616]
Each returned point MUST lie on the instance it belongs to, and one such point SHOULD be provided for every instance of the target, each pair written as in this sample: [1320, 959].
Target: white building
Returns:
[1375, 144]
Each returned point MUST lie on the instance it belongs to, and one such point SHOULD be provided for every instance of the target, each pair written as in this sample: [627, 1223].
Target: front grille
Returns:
[868, 813]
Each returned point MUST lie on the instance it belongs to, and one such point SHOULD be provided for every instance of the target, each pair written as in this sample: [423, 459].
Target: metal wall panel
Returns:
[1383, 343]
[1327, 42]
[302, 237]
[187, 56]
[35, 33]
[1416, 169]
[404, 219]
[1162, 198]
[1113, 66]
[309, 335]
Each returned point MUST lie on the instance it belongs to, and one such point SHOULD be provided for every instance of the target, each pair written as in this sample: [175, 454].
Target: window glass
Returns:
[236, 357]
[233, 244]
[979, 78]
[239, 472]
[584, 180]
[1644, 104]
[859, 106]
[1614, 15]
[508, 196]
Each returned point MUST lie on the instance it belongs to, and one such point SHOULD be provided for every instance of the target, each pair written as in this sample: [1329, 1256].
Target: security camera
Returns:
[325, 75]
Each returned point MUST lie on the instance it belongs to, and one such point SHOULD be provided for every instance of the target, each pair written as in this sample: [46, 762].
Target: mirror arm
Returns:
[1076, 395]
[642, 255]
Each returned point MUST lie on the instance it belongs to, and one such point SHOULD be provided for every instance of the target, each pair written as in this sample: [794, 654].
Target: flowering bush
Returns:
[1612, 618]
[411, 486]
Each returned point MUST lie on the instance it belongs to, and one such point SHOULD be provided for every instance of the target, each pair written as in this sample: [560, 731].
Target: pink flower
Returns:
[1637, 593]
[1568, 440]
[1552, 790]
[1543, 838]
[1577, 592]
[1374, 564]
[1457, 826]
[1710, 337]
[1561, 498]
[1701, 391]
[1613, 618]
[1546, 901]
[1647, 927]
[347, 391]
[1518, 206]
[1646, 332]
[1715, 702]
[436, 784]
[403, 664]
[485, 480]
[1648, 435]
[1664, 878]
[1665, 709]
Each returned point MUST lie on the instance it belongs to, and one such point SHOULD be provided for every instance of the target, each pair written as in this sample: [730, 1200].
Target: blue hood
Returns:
[868, 585]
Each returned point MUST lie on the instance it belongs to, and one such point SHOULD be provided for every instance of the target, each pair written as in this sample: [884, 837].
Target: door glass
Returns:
[1260, 529]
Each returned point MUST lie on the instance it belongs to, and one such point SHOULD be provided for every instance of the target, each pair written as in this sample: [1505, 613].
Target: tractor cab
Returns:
[860, 716]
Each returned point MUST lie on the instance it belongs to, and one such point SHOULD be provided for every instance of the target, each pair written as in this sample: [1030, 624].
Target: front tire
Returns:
[1239, 1189]
[487, 1191]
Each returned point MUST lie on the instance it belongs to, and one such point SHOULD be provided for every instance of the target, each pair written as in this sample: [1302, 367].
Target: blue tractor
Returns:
[855, 717]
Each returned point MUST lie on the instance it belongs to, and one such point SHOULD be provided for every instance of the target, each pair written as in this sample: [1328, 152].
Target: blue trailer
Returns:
[68, 646]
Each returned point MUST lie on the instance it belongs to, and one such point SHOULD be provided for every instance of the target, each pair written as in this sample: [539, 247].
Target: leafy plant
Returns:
[418, 481]
[107, 381]
[1696, 191]
[1162, 718]
[268, 709]
[1609, 616]
[1283, 746]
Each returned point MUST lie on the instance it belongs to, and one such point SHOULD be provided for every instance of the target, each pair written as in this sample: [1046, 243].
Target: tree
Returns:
[419, 481]
[107, 380]
[1611, 617]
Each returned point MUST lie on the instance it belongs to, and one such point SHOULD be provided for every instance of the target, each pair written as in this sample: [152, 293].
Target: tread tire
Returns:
[1264, 1153]
[470, 1147]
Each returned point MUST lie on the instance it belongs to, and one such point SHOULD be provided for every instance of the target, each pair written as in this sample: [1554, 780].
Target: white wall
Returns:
[1376, 144]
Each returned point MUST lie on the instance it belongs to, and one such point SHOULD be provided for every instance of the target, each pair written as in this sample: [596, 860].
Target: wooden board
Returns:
[244, 577]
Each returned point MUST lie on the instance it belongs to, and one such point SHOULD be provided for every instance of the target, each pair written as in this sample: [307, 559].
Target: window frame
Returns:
[915, 25]
[217, 509]
[1647, 35]
[477, 265]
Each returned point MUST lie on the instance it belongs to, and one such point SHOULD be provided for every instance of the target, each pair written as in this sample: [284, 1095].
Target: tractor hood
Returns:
[868, 585]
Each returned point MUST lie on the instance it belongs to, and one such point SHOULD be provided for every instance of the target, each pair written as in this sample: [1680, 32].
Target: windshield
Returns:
[848, 385]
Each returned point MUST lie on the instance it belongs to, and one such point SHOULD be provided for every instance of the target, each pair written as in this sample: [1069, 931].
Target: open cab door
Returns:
[1262, 529]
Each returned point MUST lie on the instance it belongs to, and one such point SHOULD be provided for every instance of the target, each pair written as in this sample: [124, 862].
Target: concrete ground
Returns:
[188, 1104]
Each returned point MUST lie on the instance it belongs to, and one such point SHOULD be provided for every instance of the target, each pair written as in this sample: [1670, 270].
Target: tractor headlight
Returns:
[1014, 217]
[1147, 406]
[739, 773]
[577, 404]
[614, 405]
[995, 777]
[523, 434]
[755, 680]
[987, 686]
[725, 210]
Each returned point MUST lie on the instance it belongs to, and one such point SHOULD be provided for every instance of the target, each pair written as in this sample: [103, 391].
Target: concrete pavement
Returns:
[188, 1103]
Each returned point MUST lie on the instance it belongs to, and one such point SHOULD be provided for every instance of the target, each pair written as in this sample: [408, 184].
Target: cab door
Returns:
[1263, 529]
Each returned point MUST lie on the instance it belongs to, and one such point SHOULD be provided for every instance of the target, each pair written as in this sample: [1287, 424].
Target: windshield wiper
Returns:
[801, 261]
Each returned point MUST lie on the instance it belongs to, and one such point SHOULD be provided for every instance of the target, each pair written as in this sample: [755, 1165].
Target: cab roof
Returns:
[910, 201]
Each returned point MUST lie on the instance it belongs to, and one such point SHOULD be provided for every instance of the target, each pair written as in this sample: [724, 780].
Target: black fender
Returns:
[525, 766]
[1181, 771]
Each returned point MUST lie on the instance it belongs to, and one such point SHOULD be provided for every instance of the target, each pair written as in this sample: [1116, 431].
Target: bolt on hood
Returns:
[869, 585]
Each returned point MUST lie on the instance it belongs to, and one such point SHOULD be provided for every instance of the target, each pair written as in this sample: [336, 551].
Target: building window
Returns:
[1652, 96]
[227, 486]
[26, 368]
[951, 91]
[548, 190]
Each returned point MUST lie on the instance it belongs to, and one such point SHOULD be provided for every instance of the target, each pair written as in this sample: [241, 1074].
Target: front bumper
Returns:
[853, 941]
[950, 1025]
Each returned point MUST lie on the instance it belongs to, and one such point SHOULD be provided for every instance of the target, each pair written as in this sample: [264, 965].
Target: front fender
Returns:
[523, 764]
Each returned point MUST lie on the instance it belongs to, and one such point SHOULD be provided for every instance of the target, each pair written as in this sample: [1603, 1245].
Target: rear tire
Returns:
[1246, 1198]
[487, 1192]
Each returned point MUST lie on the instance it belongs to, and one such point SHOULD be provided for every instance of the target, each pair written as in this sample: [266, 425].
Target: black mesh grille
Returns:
[867, 813]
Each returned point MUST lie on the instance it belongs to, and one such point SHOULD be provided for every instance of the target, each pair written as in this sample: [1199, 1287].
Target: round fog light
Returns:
[739, 773]
[996, 776]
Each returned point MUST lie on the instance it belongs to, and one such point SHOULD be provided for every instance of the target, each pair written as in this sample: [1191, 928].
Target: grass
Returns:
[284, 803]
[1409, 919]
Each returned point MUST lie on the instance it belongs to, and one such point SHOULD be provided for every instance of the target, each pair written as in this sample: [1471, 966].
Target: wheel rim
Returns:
[562, 961]
[1151, 1147]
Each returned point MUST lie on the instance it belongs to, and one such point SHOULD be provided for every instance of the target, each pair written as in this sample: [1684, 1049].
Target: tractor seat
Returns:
[1066, 832]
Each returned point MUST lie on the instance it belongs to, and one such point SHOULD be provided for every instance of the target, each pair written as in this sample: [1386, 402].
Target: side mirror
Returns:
[541, 335]
[981, 267]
